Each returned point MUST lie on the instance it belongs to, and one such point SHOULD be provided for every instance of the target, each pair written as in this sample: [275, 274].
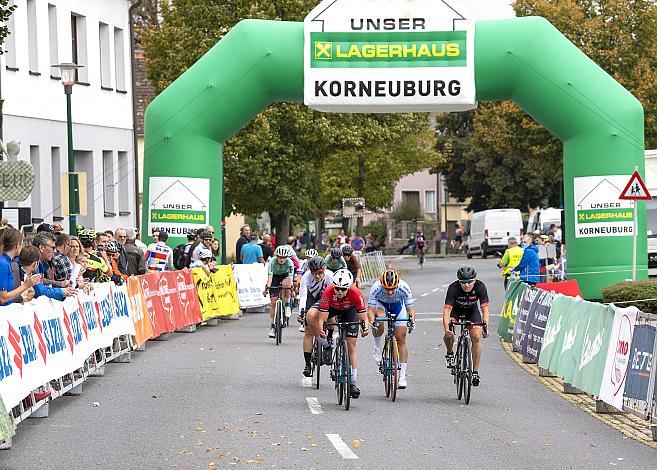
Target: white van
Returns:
[542, 219]
[490, 231]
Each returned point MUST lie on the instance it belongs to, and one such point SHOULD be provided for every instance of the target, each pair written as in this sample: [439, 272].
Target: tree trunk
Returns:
[282, 228]
[359, 226]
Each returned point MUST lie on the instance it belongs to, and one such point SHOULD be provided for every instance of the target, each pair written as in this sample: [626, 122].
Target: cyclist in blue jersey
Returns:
[392, 296]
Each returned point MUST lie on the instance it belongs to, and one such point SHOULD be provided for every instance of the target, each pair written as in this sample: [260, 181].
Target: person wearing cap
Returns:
[205, 261]
[159, 256]
[54, 229]
[252, 252]
[134, 254]
[245, 237]
[206, 243]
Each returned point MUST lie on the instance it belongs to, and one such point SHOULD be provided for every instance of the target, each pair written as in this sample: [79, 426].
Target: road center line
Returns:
[342, 448]
[313, 404]
[436, 289]
[425, 294]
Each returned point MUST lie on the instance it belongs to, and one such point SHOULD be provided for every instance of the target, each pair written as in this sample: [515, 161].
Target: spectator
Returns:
[267, 249]
[252, 252]
[205, 261]
[292, 242]
[110, 235]
[325, 241]
[45, 243]
[529, 266]
[245, 234]
[11, 242]
[54, 229]
[121, 236]
[74, 251]
[206, 242]
[113, 254]
[510, 259]
[369, 243]
[410, 245]
[209, 228]
[62, 266]
[556, 232]
[155, 235]
[341, 239]
[159, 257]
[24, 268]
[216, 254]
[138, 243]
[134, 255]
[97, 269]
[47, 267]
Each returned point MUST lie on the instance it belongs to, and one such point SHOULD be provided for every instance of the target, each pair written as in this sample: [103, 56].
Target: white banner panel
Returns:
[251, 280]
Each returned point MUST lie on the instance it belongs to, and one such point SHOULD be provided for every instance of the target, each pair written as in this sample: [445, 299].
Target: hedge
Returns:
[635, 292]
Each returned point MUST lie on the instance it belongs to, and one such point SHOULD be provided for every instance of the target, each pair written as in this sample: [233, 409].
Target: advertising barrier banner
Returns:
[534, 328]
[251, 280]
[139, 312]
[640, 362]
[618, 357]
[524, 304]
[512, 298]
[160, 314]
[569, 288]
[217, 292]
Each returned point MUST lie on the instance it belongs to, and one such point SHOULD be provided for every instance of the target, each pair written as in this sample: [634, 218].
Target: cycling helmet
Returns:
[343, 278]
[284, 250]
[191, 236]
[347, 249]
[389, 279]
[87, 237]
[465, 273]
[112, 247]
[336, 252]
[317, 263]
[206, 235]
[204, 253]
[311, 253]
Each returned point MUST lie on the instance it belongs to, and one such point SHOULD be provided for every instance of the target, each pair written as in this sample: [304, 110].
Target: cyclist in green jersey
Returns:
[334, 260]
[280, 272]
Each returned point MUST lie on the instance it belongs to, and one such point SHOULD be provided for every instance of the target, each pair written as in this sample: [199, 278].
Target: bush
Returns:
[378, 229]
[635, 292]
[407, 210]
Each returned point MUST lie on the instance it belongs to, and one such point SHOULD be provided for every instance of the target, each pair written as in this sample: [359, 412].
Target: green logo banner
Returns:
[604, 215]
[172, 215]
[512, 297]
[388, 49]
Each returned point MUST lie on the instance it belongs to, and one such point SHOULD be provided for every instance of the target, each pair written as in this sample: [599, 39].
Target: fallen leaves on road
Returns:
[255, 461]
[185, 452]
[593, 444]
[356, 443]
[212, 466]
[304, 449]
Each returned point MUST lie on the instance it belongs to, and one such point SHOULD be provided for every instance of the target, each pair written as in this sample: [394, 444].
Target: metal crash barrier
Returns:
[372, 266]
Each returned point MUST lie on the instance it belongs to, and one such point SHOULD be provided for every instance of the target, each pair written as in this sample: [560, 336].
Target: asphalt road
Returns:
[228, 396]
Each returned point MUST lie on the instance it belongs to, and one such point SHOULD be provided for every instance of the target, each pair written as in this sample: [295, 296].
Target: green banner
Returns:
[590, 216]
[172, 215]
[576, 342]
[388, 49]
[512, 297]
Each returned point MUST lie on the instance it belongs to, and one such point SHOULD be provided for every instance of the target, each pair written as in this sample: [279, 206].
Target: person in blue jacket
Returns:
[45, 242]
[529, 266]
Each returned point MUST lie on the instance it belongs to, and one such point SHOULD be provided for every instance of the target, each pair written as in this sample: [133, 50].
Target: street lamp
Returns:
[69, 72]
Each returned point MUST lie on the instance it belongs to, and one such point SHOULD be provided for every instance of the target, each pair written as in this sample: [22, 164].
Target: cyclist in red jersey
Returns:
[343, 300]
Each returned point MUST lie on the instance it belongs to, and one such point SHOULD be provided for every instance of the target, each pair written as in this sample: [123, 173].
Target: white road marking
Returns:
[425, 294]
[313, 404]
[436, 289]
[342, 448]
[306, 382]
[445, 285]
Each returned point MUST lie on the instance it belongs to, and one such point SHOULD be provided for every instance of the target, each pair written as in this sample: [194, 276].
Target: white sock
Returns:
[377, 342]
[354, 375]
[402, 370]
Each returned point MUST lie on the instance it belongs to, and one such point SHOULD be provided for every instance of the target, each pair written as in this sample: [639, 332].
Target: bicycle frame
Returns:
[342, 372]
[463, 364]
[389, 366]
[279, 313]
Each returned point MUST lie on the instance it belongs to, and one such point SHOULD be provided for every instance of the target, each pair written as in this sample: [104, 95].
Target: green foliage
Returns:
[6, 11]
[407, 210]
[635, 292]
[486, 153]
[379, 230]
[289, 159]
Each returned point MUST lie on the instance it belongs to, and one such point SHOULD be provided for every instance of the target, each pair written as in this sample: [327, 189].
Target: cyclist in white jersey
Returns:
[310, 254]
[392, 296]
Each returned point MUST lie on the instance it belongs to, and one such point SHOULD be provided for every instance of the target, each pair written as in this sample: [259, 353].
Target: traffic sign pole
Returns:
[636, 203]
[635, 191]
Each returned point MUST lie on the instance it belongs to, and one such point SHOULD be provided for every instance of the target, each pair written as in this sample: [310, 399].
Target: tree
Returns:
[5, 12]
[487, 154]
[276, 163]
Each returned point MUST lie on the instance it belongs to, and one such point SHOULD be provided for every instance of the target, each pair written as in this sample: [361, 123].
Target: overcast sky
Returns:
[489, 9]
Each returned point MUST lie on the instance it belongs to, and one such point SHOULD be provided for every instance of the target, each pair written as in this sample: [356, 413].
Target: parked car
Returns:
[490, 231]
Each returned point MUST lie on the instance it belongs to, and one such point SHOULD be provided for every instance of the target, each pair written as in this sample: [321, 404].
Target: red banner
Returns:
[569, 288]
[159, 308]
[188, 296]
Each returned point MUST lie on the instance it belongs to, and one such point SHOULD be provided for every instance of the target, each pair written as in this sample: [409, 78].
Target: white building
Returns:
[95, 34]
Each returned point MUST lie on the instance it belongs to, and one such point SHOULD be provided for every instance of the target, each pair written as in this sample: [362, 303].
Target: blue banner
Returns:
[638, 372]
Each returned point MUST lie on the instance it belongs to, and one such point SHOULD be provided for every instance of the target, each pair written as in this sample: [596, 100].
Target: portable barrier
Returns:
[640, 393]
[372, 266]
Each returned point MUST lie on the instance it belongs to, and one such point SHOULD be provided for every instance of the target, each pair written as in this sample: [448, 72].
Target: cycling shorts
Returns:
[396, 309]
[312, 302]
[350, 315]
[474, 317]
[276, 281]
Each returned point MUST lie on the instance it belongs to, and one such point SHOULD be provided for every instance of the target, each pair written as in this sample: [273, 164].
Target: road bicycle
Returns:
[316, 359]
[462, 370]
[341, 372]
[389, 365]
[280, 320]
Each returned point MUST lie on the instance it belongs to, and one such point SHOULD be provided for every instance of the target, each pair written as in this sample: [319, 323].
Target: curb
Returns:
[629, 425]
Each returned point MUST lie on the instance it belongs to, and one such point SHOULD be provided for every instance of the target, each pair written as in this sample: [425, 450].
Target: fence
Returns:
[372, 266]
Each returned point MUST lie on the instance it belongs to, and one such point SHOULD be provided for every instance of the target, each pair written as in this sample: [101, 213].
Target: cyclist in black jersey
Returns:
[463, 300]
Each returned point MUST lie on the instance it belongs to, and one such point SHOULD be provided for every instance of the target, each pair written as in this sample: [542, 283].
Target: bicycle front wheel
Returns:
[467, 370]
[347, 371]
[394, 377]
[316, 361]
[278, 321]
[458, 377]
[387, 366]
[339, 371]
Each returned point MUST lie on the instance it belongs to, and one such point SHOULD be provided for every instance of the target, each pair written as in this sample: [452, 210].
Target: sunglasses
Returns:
[341, 289]
[318, 272]
[470, 281]
[390, 290]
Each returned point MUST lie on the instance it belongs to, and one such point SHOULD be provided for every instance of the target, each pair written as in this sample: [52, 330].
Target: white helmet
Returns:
[284, 250]
[343, 278]
[204, 253]
[311, 253]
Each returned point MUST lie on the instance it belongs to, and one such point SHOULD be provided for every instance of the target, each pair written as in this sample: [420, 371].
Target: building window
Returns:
[119, 59]
[104, 48]
[52, 30]
[108, 182]
[56, 182]
[32, 47]
[79, 46]
[430, 201]
[10, 43]
[411, 198]
[124, 183]
[35, 161]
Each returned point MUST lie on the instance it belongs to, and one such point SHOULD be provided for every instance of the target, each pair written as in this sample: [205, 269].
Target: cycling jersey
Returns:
[275, 269]
[402, 294]
[464, 304]
[310, 291]
[159, 257]
[97, 270]
[353, 265]
[335, 264]
[296, 263]
[420, 242]
[353, 300]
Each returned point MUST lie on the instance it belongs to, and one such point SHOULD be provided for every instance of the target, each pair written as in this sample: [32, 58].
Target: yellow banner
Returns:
[216, 292]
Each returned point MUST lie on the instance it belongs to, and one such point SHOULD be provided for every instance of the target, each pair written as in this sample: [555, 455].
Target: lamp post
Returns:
[68, 72]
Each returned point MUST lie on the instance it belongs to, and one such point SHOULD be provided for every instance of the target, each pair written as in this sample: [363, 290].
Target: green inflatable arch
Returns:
[525, 60]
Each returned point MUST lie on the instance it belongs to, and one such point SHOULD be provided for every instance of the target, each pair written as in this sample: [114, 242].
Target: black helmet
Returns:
[205, 235]
[347, 249]
[465, 273]
[191, 236]
[336, 252]
[316, 263]
[112, 247]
